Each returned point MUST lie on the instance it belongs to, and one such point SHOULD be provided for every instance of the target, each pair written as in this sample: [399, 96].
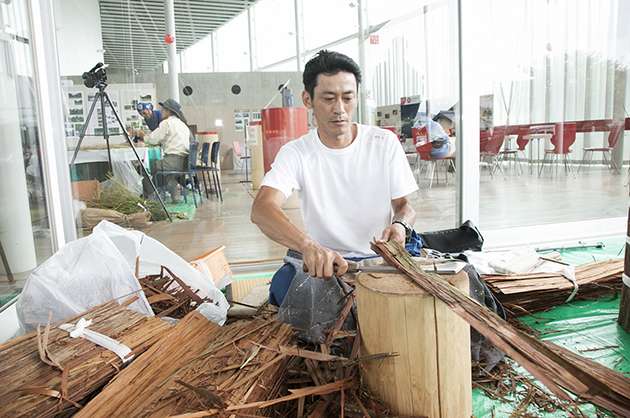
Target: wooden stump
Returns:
[431, 376]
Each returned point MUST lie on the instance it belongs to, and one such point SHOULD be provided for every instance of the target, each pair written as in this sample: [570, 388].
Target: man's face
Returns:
[334, 101]
[146, 113]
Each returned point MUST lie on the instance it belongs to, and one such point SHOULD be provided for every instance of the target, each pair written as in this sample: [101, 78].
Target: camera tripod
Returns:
[103, 98]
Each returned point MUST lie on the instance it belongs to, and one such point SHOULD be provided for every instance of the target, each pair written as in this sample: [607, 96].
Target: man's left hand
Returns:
[395, 232]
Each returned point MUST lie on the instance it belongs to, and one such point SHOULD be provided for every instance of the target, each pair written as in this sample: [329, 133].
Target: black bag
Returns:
[466, 237]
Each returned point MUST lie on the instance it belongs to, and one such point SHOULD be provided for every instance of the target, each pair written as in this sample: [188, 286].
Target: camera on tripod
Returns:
[96, 77]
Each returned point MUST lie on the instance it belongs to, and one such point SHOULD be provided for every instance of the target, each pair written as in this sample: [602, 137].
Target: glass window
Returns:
[198, 58]
[275, 31]
[554, 84]
[25, 238]
[559, 65]
[381, 11]
[233, 45]
[411, 77]
[327, 21]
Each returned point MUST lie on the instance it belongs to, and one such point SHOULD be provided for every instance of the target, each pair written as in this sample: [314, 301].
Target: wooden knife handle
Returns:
[352, 267]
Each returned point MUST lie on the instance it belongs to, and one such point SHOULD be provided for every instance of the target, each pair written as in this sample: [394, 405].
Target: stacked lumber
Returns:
[557, 368]
[200, 367]
[56, 379]
[526, 293]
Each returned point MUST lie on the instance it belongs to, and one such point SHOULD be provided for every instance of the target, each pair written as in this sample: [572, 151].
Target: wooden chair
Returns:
[490, 148]
[562, 139]
[521, 143]
[614, 135]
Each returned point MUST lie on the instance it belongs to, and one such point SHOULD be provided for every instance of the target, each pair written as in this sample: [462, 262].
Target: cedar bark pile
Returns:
[29, 385]
[522, 294]
[170, 296]
[557, 368]
[200, 366]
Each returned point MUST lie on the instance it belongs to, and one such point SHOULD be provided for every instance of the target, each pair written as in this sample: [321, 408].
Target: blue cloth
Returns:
[153, 123]
[282, 279]
[415, 244]
[441, 151]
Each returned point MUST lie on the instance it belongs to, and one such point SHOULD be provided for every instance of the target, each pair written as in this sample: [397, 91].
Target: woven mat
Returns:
[241, 287]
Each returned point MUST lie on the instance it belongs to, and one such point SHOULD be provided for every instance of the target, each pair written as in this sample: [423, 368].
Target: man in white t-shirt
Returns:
[353, 181]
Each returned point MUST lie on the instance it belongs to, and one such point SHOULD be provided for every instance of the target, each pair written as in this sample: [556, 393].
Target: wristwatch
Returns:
[408, 229]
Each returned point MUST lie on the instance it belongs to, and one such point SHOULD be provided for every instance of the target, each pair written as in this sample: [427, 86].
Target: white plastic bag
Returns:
[81, 275]
[126, 173]
[153, 255]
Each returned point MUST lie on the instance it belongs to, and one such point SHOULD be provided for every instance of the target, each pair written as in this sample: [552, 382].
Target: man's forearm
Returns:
[405, 212]
[277, 226]
[268, 215]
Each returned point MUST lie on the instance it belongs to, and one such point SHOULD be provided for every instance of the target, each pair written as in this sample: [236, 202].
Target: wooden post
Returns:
[431, 376]
[624, 306]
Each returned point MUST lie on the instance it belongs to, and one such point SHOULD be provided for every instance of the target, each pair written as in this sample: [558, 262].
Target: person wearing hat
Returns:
[173, 135]
[151, 117]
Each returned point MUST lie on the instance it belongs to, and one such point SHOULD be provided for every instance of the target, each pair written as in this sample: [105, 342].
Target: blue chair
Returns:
[191, 173]
[204, 167]
[212, 167]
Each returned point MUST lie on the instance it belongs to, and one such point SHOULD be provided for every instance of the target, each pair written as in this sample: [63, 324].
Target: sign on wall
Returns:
[124, 99]
[241, 118]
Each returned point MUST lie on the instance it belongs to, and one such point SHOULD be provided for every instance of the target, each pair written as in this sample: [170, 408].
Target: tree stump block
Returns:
[624, 304]
[431, 376]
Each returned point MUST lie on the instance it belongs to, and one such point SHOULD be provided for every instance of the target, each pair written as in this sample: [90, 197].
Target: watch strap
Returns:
[408, 229]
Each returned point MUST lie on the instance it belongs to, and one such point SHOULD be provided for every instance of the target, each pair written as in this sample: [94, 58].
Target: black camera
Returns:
[96, 77]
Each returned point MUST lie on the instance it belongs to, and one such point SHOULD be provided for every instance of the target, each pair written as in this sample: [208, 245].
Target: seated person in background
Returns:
[443, 145]
[174, 136]
[151, 117]
[353, 183]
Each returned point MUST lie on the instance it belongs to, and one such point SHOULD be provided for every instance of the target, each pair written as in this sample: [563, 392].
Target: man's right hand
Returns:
[321, 261]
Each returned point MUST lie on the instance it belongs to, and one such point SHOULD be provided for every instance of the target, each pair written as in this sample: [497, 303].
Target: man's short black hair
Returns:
[328, 63]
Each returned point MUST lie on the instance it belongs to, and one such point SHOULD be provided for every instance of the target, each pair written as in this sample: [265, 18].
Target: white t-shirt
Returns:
[345, 194]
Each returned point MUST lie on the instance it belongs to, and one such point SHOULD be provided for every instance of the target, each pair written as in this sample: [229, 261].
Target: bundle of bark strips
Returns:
[559, 369]
[170, 296]
[202, 369]
[526, 293]
[50, 374]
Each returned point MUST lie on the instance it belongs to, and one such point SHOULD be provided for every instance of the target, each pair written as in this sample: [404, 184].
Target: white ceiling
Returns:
[133, 30]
